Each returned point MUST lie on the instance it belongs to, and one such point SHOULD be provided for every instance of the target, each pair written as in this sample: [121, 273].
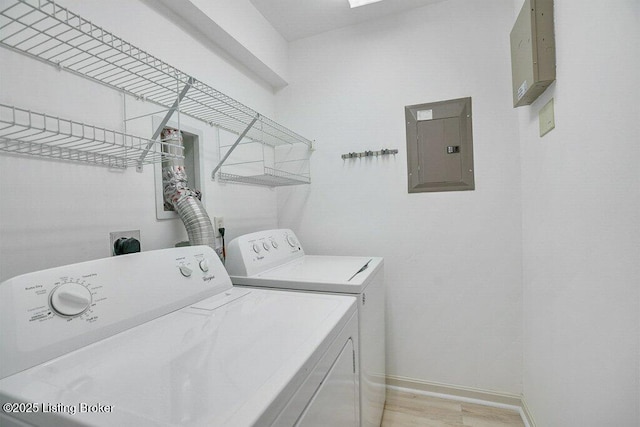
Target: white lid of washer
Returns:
[341, 274]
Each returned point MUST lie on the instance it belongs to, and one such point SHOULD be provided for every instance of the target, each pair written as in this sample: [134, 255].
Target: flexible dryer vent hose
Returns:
[184, 200]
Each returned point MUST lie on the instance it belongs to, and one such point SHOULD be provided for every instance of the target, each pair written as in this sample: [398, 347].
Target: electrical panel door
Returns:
[440, 146]
[436, 164]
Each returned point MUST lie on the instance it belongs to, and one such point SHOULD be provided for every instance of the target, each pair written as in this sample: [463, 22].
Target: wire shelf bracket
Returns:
[175, 107]
[233, 147]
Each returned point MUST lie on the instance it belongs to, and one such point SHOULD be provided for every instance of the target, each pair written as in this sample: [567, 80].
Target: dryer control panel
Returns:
[257, 252]
[51, 312]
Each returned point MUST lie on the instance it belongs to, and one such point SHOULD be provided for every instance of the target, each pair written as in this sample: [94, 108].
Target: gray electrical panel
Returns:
[533, 52]
[440, 146]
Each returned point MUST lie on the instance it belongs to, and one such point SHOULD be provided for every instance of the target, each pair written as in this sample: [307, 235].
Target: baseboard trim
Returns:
[466, 394]
[526, 415]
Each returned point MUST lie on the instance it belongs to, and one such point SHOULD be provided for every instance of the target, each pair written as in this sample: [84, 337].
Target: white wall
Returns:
[236, 27]
[581, 222]
[453, 260]
[241, 19]
[54, 213]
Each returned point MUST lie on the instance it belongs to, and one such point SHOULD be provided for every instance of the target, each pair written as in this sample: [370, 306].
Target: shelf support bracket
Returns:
[163, 123]
[233, 147]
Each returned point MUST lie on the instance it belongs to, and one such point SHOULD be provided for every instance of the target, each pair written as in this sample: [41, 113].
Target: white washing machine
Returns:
[275, 259]
[162, 338]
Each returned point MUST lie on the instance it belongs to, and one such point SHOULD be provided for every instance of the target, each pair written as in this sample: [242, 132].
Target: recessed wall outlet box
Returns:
[546, 118]
[533, 51]
[115, 235]
[192, 140]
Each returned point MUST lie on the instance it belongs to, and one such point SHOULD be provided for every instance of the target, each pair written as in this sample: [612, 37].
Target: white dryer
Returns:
[162, 338]
[275, 259]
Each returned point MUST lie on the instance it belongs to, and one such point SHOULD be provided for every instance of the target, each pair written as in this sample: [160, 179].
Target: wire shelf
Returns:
[50, 33]
[270, 178]
[24, 132]
[250, 162]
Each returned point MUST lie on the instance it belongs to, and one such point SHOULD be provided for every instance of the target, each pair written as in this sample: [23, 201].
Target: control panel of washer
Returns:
[82, 303]
[256, 252]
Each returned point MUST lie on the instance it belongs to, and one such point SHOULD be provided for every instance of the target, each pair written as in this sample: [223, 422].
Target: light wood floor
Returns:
[409, 409]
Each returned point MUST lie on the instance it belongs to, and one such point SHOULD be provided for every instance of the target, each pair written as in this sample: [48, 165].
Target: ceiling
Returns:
[296, 19]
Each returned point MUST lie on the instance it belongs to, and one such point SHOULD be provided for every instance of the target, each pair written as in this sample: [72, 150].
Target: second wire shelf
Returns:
[24, 132]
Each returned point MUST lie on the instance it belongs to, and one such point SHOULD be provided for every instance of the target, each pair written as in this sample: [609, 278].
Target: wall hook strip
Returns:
[383, 152]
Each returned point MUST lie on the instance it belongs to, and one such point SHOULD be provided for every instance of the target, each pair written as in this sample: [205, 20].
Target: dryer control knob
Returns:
[256, 248]
[186, 271]
[292, 241]
[265, 245]
[70, 299]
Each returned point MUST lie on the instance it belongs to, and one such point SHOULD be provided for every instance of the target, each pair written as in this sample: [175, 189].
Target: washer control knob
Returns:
[292, 241]
[186, 271]
[266, 247]
[204, 265]
[256, 248]
[274, 244]
[70, 299]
